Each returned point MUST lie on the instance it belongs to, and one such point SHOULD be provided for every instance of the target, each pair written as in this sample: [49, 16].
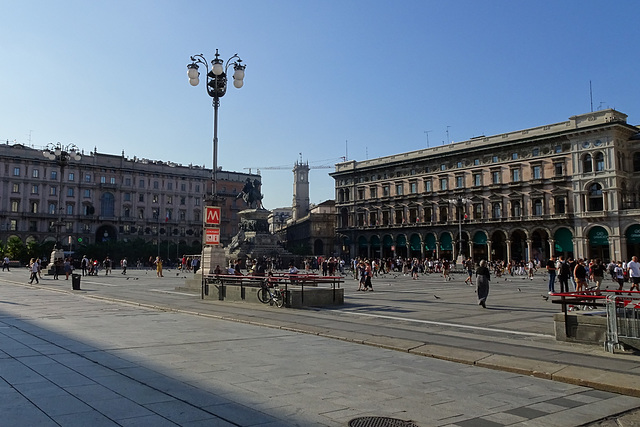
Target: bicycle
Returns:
[275, 295]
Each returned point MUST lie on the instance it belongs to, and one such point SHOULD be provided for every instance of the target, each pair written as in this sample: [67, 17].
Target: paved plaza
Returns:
[132, 351]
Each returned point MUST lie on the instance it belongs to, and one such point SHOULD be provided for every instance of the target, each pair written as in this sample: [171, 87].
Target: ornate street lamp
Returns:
[459, 202]
[216, 89]
[61, 154]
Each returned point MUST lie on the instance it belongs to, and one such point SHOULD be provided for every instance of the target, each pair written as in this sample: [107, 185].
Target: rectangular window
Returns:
[183, 187]
[515, 175]
[155, 198]
[386, 192]
[495, 177]
[87, 177]
[360, 193]
[13, 225]
[52, 208]
[183, 215]
[54, 175]
[560, 205]
[34, 189]
[373, 192]
[477, 179]
[103, 180]
[34, 207]
[70, 192]
[127, 181]
[197, 201]
[459, 181]
[170, 186]
[127, 197]
[169, 200]
[413, 187]
[69, 209]
[141, 197]
[112, 180]
[399, 190]
[183, 200]
[15, 205]
[35, 173]
[156, 185]
[87, 193]
[476, 162]
[558, 169]
[141, 183]
[537, 172]
[514, 156]
[72, 176]
[16, 171]
[444, 184]
[53, 191]
[494, 159]
[197, 188]
[15, 188]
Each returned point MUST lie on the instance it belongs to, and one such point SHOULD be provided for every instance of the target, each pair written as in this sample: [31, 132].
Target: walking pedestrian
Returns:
[483, 276]
[123, 263]
[33, 268]
[158, 263]
[5, 263]
[634, 273]
[551, 269]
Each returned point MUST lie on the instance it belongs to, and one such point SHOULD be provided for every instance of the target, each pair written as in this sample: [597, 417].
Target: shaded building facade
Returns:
[109, 197]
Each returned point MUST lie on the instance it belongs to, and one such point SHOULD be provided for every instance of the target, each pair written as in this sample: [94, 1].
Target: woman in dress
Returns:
[482, 283]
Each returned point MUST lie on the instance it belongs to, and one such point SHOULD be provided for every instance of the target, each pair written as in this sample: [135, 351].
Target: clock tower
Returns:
[300, 206]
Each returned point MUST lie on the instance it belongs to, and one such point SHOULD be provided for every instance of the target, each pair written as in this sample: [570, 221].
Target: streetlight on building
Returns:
[459, 202]
[62, 155]
[216, 89]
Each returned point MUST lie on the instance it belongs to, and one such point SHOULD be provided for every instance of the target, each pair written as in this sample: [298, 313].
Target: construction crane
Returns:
[259, 168]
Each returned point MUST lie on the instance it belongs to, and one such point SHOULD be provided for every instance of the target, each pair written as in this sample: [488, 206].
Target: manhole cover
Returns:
[380, 422]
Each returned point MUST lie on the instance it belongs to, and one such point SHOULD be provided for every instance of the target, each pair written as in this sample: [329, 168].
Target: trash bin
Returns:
[75, 282]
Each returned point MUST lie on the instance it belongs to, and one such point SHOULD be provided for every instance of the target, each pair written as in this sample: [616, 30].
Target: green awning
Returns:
[563, 240]
[480, 238]
[415, 242]
[598, 236]
[430, 242]
[445, 242]
[633, 234]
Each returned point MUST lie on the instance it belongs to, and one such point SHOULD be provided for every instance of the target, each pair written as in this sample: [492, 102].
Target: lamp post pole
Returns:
[216, 89]
[61, 154]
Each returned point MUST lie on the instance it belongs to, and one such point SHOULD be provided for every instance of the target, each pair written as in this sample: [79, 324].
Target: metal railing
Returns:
[623, 322]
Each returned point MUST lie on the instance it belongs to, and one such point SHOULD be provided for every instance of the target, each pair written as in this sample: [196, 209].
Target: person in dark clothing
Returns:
[482, 283]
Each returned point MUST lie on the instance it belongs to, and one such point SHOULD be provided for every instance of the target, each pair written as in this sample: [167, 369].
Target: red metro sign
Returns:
[212, 215]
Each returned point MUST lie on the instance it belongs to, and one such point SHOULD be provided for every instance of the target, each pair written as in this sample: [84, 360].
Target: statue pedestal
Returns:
[56, 254]
[254, 240]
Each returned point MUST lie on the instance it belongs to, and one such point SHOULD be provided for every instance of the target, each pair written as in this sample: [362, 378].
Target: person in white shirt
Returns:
[633, 268]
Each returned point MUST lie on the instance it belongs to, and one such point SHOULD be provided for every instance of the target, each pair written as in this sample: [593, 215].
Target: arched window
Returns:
[596, 202]
[496, 210]
[587, 164]
[599, 162]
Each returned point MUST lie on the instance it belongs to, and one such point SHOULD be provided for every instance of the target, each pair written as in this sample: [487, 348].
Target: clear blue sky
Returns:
[112, 74]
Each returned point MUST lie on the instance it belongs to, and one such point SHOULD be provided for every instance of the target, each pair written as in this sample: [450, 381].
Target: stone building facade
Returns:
[110, 197]
[570, 188]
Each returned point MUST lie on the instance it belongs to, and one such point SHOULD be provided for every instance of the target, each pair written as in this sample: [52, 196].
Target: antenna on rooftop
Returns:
[591, 95]
[427, 133]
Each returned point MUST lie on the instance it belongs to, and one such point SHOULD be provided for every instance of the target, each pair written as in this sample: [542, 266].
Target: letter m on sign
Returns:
[212, 215]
